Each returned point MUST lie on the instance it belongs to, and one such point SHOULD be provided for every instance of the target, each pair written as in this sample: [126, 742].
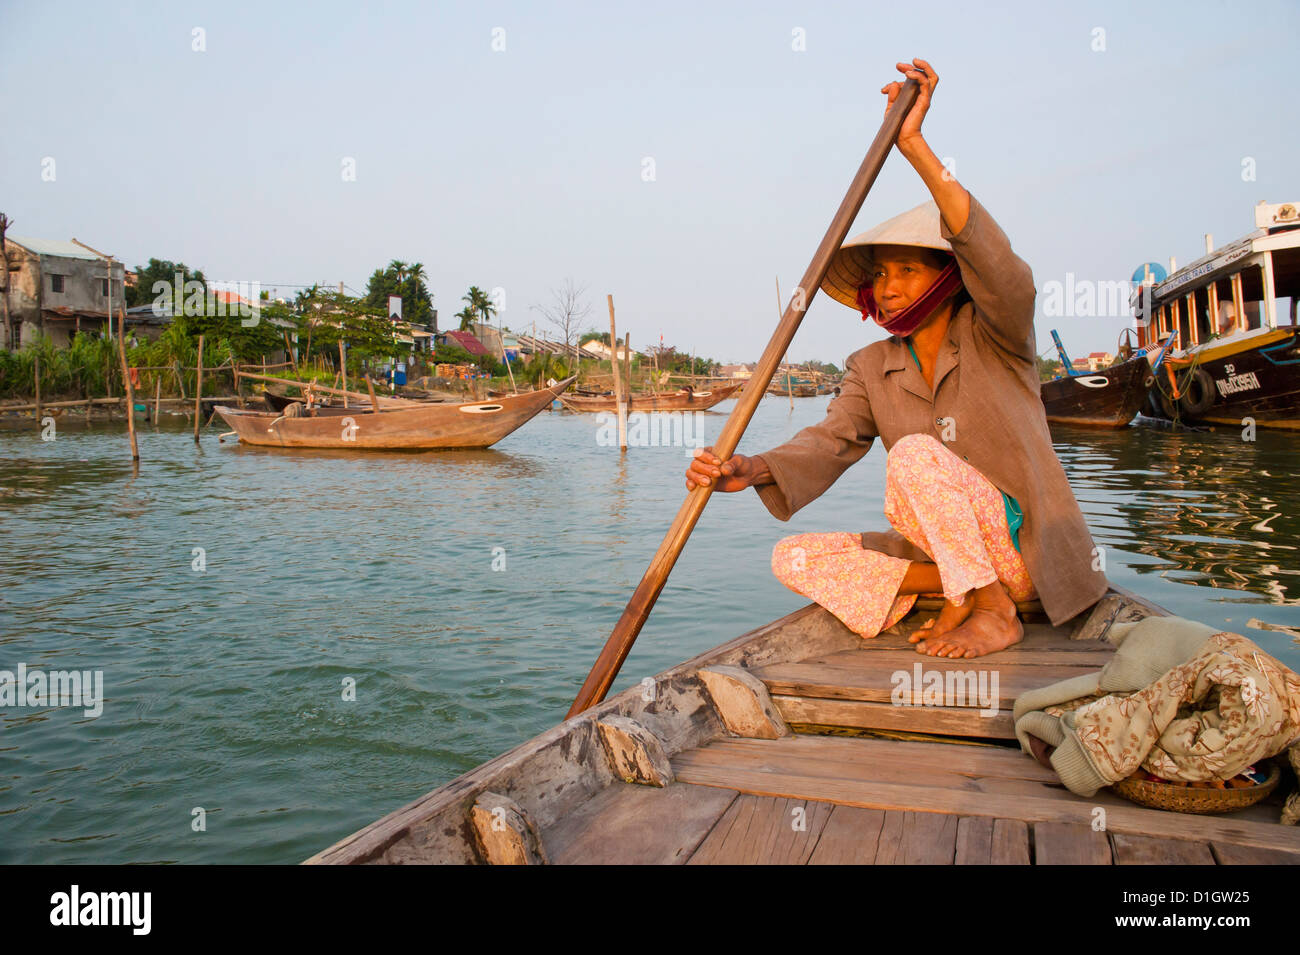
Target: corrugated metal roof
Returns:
[67, 250]
[468, 342]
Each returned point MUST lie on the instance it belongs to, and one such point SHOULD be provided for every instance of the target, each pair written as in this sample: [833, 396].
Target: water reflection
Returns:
[1208, 509]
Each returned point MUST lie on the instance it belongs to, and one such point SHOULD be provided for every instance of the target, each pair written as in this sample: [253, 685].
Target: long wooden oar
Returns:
[647, 592]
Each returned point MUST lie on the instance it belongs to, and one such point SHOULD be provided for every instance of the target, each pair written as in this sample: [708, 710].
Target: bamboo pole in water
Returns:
[157, 396]
[36, 357]
[620, 398]
[198, 394]
[126, 379]
[629, 625]
[343, 364]
[627, 364]
[788, 386]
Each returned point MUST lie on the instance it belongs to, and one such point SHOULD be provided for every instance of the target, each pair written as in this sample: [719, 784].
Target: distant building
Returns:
[534, 346]
[736, 371]
[57, 288]
[466, 341]
[598, 349]
[1098, 360]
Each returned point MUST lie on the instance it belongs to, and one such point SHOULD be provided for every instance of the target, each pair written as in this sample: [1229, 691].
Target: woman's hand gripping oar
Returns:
[629, 625]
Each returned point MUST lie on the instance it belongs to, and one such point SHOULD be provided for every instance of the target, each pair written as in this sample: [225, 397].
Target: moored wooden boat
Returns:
[799, 389]
[412, 426]
[784, 745]
[684, 400]
[1110, 398]
[1234, 312]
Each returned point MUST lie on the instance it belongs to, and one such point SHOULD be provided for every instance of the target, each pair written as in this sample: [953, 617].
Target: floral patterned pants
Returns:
[939, 503]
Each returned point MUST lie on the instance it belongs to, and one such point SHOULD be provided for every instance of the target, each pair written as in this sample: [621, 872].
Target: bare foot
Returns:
[950, 617]
[1041, 751]
[991, 626]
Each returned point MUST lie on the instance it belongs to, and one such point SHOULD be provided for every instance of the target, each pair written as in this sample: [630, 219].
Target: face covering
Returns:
[910, 318]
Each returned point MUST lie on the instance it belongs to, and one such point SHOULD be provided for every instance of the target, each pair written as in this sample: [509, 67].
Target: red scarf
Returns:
[910, 318]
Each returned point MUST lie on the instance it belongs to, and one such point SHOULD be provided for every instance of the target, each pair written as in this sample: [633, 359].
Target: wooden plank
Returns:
[760, 830]
[974, 840]
[628, 824]
[1228, 853]
[1010, 842]
[1060, 656]
[940, 720]
[1132, 848]
[819, 766]
[978, 760]
[929, 838]
[850, 837]
[797, 836]
[889, 847]
[1038, 636]
[1121, 816]
[1067, 843]
[880, 684]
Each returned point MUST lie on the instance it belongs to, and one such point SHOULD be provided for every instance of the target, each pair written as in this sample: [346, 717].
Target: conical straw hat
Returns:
[851, 266]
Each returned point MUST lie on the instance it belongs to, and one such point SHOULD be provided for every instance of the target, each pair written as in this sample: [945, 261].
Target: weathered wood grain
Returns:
[850, 837]
[1010, 842]
[1132, 848]
[504, 833]
[1227, 853]
[743, 703]
[635, 754]
[638, 825]
[777, 778]
[940, 720]
[1065, 843]
[894, 678]
[761, 831]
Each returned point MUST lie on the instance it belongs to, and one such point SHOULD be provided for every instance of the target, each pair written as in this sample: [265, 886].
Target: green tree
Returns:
[159, 270]
[477, 301]
[404, 280]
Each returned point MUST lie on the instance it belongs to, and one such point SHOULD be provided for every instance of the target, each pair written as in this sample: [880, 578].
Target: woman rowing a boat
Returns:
[980, 507]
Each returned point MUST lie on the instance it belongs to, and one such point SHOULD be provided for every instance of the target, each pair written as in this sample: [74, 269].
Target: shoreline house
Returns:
[600, 350]
[739, 372]
[56, 288]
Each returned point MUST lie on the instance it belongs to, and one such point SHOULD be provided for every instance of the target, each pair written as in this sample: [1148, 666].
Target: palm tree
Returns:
[400, 267]
[466, 316]
[415, 272]
[480, 304]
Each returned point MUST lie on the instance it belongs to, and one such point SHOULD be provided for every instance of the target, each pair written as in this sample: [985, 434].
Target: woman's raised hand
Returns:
[925, 75]
[734, 474]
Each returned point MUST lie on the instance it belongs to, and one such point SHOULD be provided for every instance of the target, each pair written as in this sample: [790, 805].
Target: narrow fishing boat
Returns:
[685, 399]
[409, 426]
[789, 744]
[1237, 354]
[799, 389]
[1107, 398]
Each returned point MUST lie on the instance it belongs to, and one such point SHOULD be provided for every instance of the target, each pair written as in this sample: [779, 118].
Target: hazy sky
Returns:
[516, 167]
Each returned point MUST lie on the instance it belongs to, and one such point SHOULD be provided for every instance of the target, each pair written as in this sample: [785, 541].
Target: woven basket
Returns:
[1176, 798]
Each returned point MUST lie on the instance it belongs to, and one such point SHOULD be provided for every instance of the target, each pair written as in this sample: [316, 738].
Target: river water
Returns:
[233, 598]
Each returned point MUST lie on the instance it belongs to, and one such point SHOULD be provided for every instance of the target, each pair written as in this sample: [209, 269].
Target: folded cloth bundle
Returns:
[1178, 699]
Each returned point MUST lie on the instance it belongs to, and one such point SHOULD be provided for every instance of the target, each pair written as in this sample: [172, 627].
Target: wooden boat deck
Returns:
[861, 780]
[821, 798]
[809, 800]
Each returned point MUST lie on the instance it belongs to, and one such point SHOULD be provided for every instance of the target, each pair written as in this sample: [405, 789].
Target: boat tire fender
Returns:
[1198, 396]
